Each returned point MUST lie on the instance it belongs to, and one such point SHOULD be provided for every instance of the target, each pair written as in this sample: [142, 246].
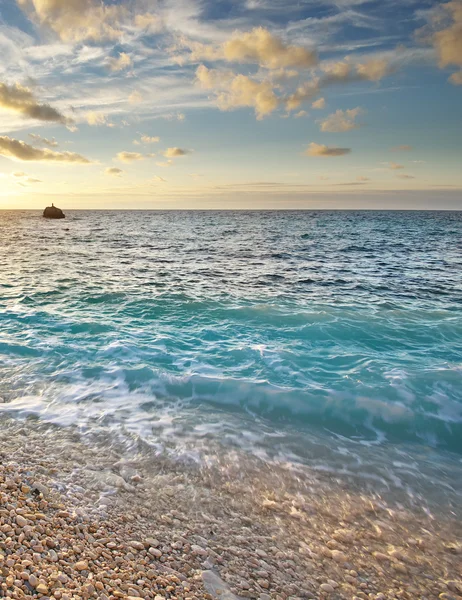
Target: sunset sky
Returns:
[231, 104]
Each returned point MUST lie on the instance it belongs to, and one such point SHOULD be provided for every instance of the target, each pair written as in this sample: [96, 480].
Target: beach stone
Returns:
[21, 521]
[326, 587]
[136, 545]
[42, 588]
[155, 552]
[33, 580]
[198, 550]
[216, 587]
[339, 556]
[82, 565]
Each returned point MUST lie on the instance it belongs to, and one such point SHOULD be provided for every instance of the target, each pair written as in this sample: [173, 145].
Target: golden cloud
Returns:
[305, 92]
[129, 157]
[238, 90]
[395, 166]
[319, 104]
[96, 119]
[402, 148]
[21, 100]
[123, 61]
[114, 171]
[341, 120]
[267, 50]
[77, 20]
[322, 150]
[448, 41]
[38, 139]
[456, 78]
[174, 152]
[146, 139]
[373, 69]
[257, 46]
[19, 150]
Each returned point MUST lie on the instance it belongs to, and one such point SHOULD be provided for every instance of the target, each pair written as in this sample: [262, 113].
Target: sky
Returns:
[226, 104]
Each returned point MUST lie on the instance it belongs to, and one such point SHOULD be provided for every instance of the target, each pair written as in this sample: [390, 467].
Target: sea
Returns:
[328, 340]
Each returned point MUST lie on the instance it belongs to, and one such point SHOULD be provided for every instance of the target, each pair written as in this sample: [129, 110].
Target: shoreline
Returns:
[265, 531]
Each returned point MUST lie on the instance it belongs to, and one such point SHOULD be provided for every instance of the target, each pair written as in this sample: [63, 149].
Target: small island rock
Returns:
[52, 212]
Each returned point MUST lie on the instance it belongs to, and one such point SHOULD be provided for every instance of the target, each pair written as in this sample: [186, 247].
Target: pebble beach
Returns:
[80, 521]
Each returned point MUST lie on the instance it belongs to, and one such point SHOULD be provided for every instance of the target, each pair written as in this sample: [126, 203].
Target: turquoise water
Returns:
[279, 332]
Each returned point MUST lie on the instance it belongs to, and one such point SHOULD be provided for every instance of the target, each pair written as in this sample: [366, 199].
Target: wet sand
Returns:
[81, 520]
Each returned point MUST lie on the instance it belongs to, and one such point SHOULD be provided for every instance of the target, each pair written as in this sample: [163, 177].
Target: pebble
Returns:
[82, 565]
[326, 587]
[21, 521]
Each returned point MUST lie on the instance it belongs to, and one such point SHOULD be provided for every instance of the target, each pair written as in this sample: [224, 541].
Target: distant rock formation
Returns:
[52, 212]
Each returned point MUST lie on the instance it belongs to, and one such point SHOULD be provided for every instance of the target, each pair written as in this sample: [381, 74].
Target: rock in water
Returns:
[52, 212]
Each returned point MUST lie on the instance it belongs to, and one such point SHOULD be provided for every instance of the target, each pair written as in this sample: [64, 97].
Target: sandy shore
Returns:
[80, 520]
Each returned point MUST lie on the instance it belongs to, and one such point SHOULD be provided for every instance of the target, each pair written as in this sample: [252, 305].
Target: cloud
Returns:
[128, 157]
[114, 171]
[167, 163]
[174, 152]
[372, 69]
[236, 91]
[43, 141]
[77, 20]
[319, 104]
[341, 120]
[25, 177]
[149, 22]
[119, 64]
[404, 176]
[261, 47]
[322, 150]
[305, 92]
[159, 179]
[402, 148]
[146, 139]
[19, 150]
[257, 46]
[21, 100]
[135, 97]
[97, 119]
[395, 166]
[456, 78]
[448, 41]
[300, 114]
[362, 178]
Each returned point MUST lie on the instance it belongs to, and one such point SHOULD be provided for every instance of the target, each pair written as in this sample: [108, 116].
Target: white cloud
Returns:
[322, 150]
[395, 166]
[341, 120]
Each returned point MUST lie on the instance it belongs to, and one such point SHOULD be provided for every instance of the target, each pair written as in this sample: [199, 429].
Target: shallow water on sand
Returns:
[328, 339]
